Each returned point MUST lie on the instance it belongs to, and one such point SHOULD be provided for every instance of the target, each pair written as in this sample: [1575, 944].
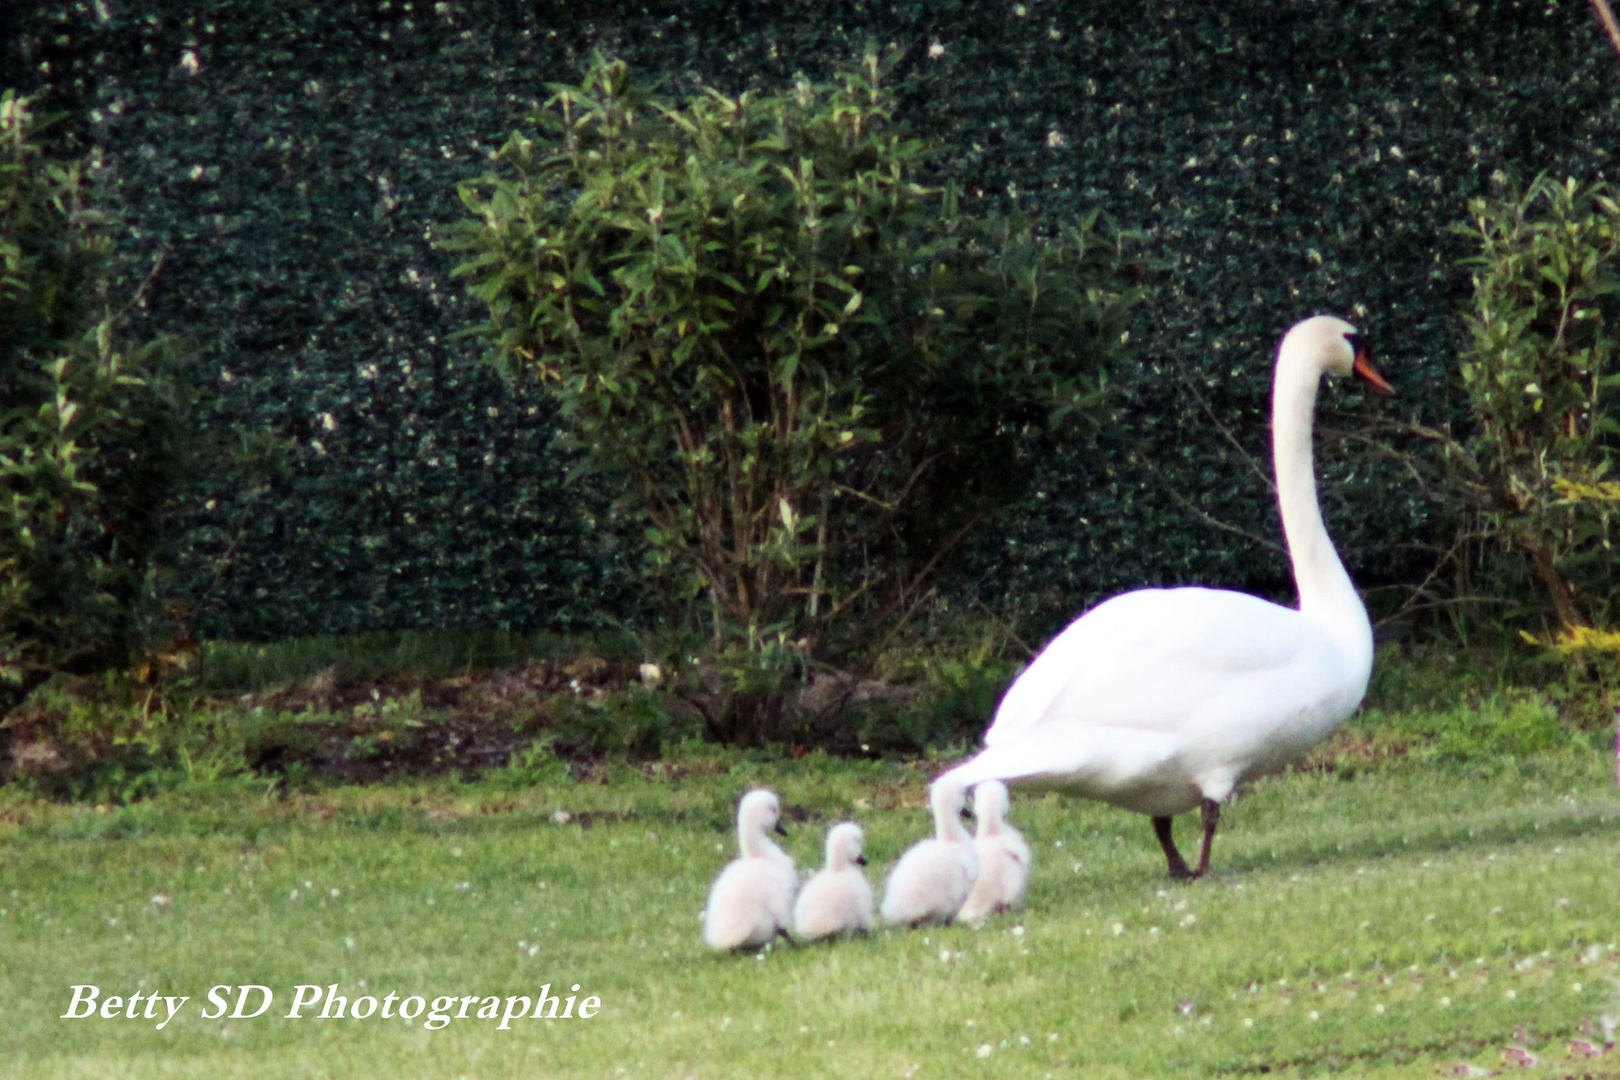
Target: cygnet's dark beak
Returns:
[1363, 370]
[780, 831]
[967, 815]
[860, 860]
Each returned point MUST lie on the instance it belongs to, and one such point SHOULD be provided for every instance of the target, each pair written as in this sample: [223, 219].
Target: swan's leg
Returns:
[1178, 865]
[1211, 814]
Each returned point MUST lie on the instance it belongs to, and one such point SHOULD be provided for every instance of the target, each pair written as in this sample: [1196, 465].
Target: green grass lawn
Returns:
[1410, 917]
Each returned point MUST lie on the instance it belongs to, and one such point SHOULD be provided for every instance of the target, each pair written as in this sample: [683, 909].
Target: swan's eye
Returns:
[1358, 342]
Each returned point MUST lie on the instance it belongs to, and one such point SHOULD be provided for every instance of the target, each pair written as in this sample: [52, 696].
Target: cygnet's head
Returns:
[1335, 347]
[758, 813]
[845, 842]
[990, 804]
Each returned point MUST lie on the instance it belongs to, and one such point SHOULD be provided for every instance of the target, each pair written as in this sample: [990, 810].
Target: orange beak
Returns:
[1364, 371]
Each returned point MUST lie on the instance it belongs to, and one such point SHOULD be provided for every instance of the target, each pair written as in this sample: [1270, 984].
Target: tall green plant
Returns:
[92, 430]
[1540, 375]
[810, 373]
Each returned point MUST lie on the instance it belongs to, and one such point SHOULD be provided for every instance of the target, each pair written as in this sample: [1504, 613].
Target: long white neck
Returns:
[751, 838]
[1326, 596]
[991, 809]
[947, 804]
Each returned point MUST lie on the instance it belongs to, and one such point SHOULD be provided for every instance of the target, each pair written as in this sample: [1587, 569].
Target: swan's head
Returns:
[844, 844]
[758, 813]
[990, 804]
[1333, 346]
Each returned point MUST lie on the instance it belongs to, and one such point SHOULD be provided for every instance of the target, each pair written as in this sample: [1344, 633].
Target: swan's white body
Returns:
[1159, 699]
[837, 900]
[1004, 857]
[934, 876]
[752, 899]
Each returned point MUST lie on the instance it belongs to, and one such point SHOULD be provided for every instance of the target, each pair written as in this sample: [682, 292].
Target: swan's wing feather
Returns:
[1148, 659]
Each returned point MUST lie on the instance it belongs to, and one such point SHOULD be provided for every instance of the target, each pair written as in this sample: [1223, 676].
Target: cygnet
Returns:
[837, 900]
[931, 880]
[1004, 858]
[751, 901]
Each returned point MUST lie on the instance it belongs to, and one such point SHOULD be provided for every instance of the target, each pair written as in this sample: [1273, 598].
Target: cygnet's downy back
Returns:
[751, 901]
[837, 900]
[933, 878]
[1004, 857]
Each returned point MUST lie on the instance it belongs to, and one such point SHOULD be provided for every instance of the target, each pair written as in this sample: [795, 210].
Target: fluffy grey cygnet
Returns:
[752, 900]
[931, 880]
[837, 900]
[1004, 857]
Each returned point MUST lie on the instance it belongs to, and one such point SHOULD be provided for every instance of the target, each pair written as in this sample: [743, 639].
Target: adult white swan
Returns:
[1162, 700]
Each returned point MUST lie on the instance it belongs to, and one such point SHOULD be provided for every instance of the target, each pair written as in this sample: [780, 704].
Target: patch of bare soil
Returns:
[408, 727]
[326, 729]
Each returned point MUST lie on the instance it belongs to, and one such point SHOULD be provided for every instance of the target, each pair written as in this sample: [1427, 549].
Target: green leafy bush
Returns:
[1539, 374]
[812, 375]
[92, 431]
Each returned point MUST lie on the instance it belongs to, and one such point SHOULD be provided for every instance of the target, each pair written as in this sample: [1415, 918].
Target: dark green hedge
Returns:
[1281, 159]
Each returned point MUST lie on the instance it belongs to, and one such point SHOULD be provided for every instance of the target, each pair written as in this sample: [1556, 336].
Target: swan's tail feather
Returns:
[997, 763]
[1096, 761]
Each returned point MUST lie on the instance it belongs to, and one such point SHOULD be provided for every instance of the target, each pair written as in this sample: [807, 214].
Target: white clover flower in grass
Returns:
[984, 1050]
[189, 61]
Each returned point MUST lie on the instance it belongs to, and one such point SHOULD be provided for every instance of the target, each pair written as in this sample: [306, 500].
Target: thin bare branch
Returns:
[1216, 523]
[1225, 432]
[1605, 16]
